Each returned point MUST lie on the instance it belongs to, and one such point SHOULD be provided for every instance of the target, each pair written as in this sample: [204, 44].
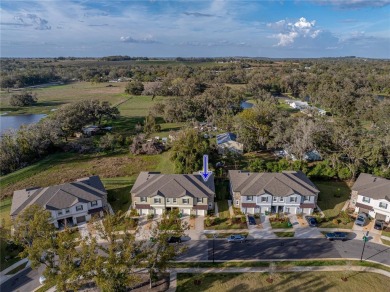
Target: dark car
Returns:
[336, 236]
[311, 221]
[174, 239]
[251, 220]
[379, 224]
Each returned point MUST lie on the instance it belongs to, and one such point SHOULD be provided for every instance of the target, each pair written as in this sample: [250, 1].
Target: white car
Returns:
[42, 280]
[236, 238]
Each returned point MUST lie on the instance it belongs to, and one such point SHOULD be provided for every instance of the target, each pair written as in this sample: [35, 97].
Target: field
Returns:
[307, 281]
[332, 197]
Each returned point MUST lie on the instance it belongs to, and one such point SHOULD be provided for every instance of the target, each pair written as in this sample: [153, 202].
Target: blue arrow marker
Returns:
[205, 173]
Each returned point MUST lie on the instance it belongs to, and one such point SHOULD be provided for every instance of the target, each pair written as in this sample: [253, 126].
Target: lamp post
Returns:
[214, 236]
[365, 239]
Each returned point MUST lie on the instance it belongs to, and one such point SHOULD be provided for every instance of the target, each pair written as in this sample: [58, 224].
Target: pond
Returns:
[14, 122]
[246, 104]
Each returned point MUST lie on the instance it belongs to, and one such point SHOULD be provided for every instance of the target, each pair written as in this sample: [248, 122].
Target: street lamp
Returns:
[214, 236]
[365, 239]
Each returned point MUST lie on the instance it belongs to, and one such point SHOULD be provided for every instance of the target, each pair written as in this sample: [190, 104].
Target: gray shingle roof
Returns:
[372, 186]
[277, 184]
[59, 197]
[149, 184]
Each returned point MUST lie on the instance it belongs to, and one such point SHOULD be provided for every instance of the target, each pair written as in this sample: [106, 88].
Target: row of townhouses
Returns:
[153, 193]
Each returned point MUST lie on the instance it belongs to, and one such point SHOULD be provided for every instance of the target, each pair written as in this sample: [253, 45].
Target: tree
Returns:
[23, 99]
[159, 252]
[134, 87]
[150, 125]
[188, 150]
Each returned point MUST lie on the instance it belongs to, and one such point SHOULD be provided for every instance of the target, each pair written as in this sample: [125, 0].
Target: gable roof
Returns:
[59, 197]
[150, 184]
[372, 186]
[225, 137]
[277, 184]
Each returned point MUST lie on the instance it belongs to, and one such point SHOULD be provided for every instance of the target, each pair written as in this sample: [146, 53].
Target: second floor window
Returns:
[157, 200]
[174, 200]
[281, 199]
[366, 200]
[168, 200]
[94, 203]
[382, 205]
[186, 201]
[143, 199]
[249, 198]
[264, 199]
[59, 213]
[67, 211]
[275, 199]
[200, 200]
[237, 202]
[307, 198]
[79, 208]
[293, 199]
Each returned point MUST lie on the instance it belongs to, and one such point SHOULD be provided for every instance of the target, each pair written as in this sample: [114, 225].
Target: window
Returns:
[237, 202]
[382, 205]
[143, 199]
[186, 201]
[249, 198]
[174, 200]
[79, 208]
[366, 200]
[157, 200]
[275, 199]
[293, 199]
[307, 198]
[200, 200]
[264, 199]
[281, 199]
[94, 203]
[59, 213]
[168, 200]
[67, 211]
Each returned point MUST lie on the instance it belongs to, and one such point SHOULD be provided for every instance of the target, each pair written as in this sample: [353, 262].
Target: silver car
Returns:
[236, 238]
[361, 219]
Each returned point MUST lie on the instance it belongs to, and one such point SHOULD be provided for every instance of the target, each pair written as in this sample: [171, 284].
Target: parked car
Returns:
[236, 238]
[336, 236]
[251, 220]
[311, 221]
[42, 280]
[174, 239]
[361, 219]
[379, 224]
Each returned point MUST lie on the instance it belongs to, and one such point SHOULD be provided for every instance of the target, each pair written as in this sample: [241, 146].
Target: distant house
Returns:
[312, 155]
[91, 130]
[290, 191]
[371, 195]
[226, 142]
[298, 104]
[69, 203]
[154, 193]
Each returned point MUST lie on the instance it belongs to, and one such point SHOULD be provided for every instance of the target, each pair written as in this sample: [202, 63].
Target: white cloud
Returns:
[146, 40]
[290, 31]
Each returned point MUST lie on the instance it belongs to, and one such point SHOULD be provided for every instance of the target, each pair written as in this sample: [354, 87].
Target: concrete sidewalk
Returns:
[3, 274]
[174, 272]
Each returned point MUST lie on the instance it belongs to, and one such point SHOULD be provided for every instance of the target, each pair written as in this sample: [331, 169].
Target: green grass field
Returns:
[332, 197]
[305, 281]
[284, 234]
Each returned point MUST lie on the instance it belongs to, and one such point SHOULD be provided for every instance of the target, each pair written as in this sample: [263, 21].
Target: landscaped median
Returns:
[279, 221]
[215, 223]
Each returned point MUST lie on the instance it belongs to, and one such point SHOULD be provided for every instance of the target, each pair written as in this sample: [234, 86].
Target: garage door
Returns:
[380, 216]
[80, 219]
[307, 210]
[144, 211]
[200, 212]
[186, 211]
[158, 211]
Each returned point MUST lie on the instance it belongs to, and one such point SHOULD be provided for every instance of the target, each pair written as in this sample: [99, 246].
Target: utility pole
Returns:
[365, 239]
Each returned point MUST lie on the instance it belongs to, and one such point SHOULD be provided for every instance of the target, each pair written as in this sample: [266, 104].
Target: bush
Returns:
[134, 87]
[134, 212]
[150, 216]
[335, 221]
[243, 219]
[208, 222]
[23, 99]
[192, 216]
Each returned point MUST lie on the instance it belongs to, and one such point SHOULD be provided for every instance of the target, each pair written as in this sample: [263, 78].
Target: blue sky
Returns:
[296, 28]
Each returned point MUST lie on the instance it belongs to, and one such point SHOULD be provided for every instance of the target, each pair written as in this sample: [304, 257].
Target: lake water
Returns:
[246, 104]
[14, 122]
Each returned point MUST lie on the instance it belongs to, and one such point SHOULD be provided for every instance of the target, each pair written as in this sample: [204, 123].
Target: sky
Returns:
[215, 28]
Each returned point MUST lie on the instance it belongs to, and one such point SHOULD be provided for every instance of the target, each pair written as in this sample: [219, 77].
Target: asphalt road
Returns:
[25, 281]
[258, 249]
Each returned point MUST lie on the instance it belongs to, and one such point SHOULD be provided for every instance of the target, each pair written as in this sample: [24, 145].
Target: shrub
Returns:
[134, 212]
[192, 216]
[208, 222]
[335, 221]
[150, 216]
[243, 219]
[23, 99]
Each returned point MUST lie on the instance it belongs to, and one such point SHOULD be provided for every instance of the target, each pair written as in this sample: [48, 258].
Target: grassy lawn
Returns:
[222, 189]
[7, 252]
[118, 190]
[330, 224]
[5, 219]
[284, 234]
[278, 224]
[332, 197]
[307, 281]
[17, 269]
[223, 209]
[225, 235]
[387, 242]
[226, 224]
[386, 232]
